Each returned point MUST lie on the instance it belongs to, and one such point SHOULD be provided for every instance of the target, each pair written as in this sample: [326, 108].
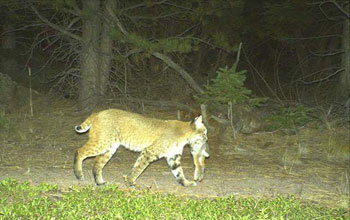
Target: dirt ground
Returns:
[41, 148]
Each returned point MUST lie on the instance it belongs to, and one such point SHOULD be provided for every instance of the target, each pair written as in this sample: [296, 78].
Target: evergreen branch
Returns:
[207, 43]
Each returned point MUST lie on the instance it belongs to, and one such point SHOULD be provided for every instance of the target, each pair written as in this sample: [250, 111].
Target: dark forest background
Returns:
[293, 51]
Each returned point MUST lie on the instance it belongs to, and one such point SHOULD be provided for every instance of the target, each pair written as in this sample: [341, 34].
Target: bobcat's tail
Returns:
[86, 125]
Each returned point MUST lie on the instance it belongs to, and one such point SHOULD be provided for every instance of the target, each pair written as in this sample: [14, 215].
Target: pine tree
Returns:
[228, 87]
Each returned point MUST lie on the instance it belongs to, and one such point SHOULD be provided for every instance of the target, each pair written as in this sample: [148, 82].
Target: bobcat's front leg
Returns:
[174, 163]
[199, 153]
[140, 165]
[199, 167]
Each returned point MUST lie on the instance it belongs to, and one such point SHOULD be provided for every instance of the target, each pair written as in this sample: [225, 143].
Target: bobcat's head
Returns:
[199, 146]
[199, 137]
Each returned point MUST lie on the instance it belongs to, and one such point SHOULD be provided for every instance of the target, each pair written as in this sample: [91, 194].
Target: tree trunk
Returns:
[9, 64]
[345, 63]
[88, 96]
[106, 49]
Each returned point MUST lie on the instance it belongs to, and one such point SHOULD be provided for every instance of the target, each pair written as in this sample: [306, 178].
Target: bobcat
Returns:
[154, 138]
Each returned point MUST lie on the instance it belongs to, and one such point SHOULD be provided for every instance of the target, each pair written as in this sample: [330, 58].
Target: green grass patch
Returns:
[23, 201]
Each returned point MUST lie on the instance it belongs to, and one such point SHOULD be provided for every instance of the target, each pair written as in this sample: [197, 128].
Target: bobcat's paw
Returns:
[80, 178]
[128, 181]
[101, 183]
[198, 178]
[190, 183]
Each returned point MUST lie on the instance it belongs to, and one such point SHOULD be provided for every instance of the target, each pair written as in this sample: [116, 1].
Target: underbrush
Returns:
[290, 118]
[4, 123]
[329, 133]
[23, 201]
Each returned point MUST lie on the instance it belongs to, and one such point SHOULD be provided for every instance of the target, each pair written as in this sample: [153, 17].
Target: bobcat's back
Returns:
[132, 130]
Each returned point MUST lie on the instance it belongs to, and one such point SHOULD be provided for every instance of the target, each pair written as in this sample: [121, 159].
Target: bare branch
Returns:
[315, 37]
[159, 103]
[324, 13]
[133, 7]
[116, 21]
[151, 18]
[323, 79]
[315, 73]
[261, 77]
[58, 38]
[188, 29]
[164, 58]
[55, 26]
[133, 51]
[177, 6]
[335, 3]
[140, 5]
[20, 28]
[180, 70]
[238, 54]
[326, 54]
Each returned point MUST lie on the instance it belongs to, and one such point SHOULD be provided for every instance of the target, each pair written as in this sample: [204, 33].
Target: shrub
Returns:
[228, 87]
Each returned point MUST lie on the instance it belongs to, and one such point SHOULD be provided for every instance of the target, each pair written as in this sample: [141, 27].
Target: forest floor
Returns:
[40, 148]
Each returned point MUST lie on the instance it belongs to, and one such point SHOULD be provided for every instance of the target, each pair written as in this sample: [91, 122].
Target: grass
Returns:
[23, 201]
[292, 157]
[336, 142]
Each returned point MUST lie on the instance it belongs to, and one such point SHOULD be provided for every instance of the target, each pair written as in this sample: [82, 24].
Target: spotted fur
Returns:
[154, 138]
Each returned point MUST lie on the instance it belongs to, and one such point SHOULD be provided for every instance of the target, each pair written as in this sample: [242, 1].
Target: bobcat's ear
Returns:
[198, 121]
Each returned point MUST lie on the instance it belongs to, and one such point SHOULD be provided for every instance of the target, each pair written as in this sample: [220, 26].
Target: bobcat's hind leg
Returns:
[174, 163]
[88, 150]
[100, 162]
[140, 165]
